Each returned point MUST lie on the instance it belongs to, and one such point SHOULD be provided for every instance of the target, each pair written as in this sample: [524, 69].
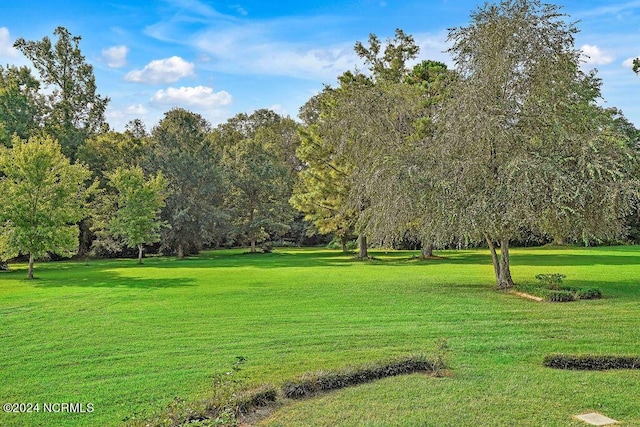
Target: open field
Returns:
[130, 338]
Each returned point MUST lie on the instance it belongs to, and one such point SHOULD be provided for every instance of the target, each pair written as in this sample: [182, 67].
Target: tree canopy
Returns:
[139, 200]
[43, 199]
[523, 145]
[74, 109]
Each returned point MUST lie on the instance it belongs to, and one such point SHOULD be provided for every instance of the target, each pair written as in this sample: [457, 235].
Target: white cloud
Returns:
[6, 46]
[115, 56]
[166, 70]
[593, 55]
[628, 63]
[135, 109]
[199, 96]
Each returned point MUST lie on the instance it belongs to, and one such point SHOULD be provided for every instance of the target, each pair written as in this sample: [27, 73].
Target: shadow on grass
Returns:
[300, 258]
[100, 278]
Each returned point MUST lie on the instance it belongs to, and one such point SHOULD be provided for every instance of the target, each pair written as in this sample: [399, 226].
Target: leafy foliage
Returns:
[139, 201]
[75, 110]
[523, 144]
[180, 149]
[551, 280]
[259, 158]
[21, 105]
[44, 198]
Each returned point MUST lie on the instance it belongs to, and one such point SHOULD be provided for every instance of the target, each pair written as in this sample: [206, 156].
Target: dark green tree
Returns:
[75, 110]
[260, 161]
[180, 148]
[21, 105]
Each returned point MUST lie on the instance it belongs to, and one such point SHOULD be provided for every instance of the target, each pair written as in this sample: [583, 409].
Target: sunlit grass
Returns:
[130, 338]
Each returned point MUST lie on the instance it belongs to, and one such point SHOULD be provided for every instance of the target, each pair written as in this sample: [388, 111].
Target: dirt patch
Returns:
[527, 296]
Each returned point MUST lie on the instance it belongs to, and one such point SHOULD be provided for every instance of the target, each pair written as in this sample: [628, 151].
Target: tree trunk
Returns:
[427, 250]
[343, 241]
[559, 241]
[140, 253]
[180, 251]
[501, 263]
[30, 272]
[364, 253]
[505, 281]
[3, 265]
[494, 258]
[253, 246]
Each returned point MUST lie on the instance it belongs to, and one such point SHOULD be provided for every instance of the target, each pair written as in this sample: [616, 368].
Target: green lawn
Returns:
[130, 338]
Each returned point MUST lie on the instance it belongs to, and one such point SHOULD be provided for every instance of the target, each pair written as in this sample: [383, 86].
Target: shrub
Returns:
[312, 383]
[591, 362]
[337, 244]
[591, 293]
[259, 397]
[551, 281]
[560, 296]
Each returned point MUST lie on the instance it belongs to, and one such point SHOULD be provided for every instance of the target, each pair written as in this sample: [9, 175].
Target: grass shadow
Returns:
[106, 278]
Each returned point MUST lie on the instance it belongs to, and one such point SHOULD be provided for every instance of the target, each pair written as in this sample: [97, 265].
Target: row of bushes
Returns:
[591, 362]
[312, 383]
[230, 401]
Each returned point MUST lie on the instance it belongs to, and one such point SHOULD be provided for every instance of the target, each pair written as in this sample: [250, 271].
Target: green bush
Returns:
[591, 293]
[560, 296]
[550, 288]
[315, 382]
[337, 244]
[551, 281]
[591, 362]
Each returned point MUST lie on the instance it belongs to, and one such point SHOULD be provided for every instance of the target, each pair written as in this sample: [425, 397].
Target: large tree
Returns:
[76, 111]
[258, 192]
[523, 144]
[43, 200]
[179, 147]
[21, 105]
[138, 201]
[371, 125]
[259, 155]
[322, 187]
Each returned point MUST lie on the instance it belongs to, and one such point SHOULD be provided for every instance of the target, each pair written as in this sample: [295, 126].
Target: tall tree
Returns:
[21, 106]
[261, 163]
[369, 120]
[139, 200]
[76, 111]
[258, 193]
[44, 198]
[523, 144]
[181, 150]
[321, 190]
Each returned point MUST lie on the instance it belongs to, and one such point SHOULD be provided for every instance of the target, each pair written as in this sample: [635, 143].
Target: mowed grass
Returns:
[129, 338]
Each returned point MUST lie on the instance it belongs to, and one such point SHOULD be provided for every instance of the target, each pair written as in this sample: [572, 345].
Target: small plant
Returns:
[560, 296]
[591, 293]
[551, 281]
[440, 363]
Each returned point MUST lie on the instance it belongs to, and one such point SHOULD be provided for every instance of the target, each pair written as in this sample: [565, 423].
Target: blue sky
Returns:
[221, 58]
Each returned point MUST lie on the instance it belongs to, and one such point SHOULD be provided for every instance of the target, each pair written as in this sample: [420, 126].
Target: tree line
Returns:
[511, 145]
